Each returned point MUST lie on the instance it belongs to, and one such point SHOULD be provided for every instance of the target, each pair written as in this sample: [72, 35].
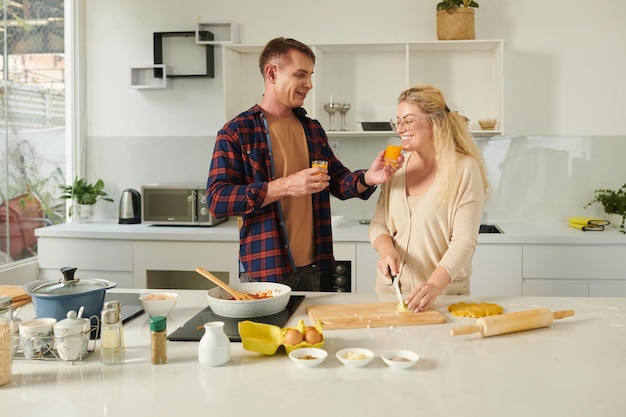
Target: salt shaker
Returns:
[6, 342]
[111, 352]
[158, 340]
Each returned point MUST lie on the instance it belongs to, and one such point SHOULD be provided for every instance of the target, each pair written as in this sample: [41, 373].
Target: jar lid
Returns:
[157, 323]
[110, 316]
[72, 320]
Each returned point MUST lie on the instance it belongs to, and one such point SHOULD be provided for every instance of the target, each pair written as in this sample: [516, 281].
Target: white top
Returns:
[573, 368]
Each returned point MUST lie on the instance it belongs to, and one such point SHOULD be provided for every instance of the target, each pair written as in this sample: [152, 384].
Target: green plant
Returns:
[448, 4]
[613, 201]
[85, 193]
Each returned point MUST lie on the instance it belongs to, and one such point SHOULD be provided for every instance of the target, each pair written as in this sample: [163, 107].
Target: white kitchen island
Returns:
[576, 367]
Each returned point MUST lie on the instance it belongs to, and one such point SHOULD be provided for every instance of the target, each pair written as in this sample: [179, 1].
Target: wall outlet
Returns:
[334, 144]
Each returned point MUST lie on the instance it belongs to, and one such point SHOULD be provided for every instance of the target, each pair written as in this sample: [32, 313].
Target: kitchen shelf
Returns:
[337, 134]
[224, 32]
[469, 73]
[174, 49]
[142, 77]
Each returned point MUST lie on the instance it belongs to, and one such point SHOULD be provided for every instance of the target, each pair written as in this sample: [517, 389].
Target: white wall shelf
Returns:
[469, 73]
[224, 32]
[142, 77]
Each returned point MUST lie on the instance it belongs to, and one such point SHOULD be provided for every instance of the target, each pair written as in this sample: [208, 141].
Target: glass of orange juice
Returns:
[393, 150]
[319, 164]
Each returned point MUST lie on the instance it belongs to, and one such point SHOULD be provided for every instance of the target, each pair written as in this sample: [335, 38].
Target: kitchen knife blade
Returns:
[396, 286]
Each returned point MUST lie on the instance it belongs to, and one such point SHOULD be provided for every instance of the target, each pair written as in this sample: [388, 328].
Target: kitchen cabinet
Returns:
[371, 76]
[496, 270]
[110, 259]
[574, 270]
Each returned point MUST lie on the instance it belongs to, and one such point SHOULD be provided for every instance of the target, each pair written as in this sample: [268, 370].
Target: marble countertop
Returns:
[348, 231]
[576, 367]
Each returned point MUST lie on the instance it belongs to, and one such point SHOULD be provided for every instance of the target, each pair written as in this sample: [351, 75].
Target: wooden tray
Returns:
[357, 316]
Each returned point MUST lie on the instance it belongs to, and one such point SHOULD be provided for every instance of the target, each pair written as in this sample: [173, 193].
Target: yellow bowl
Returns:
[267, 338]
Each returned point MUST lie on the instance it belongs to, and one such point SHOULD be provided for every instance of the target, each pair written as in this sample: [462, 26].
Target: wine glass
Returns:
[343, 109]
[331, 106]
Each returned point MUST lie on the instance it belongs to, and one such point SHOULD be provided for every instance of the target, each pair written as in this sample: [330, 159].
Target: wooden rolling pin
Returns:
[512, 322]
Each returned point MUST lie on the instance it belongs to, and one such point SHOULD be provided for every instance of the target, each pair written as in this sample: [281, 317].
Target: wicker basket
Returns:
[456, 23]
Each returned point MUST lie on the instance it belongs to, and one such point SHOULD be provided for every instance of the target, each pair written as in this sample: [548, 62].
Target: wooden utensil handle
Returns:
[470, 328]
[562, 314]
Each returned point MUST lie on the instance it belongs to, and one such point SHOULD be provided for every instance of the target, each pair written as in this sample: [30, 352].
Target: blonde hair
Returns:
[450, 136]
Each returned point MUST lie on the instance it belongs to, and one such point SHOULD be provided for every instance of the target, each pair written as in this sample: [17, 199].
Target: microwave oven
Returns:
[176, 205]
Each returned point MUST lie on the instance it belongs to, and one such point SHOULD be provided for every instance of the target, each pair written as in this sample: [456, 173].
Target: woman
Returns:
[427, 217]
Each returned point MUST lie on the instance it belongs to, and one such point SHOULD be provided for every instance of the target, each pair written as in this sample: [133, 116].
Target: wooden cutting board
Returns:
[17, 293]
[357, 316]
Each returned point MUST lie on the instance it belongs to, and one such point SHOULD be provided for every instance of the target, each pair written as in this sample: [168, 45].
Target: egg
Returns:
[293, 337]
[312, 336]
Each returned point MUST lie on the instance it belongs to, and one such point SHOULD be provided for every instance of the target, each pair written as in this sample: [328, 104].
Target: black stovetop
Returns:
[193, 329]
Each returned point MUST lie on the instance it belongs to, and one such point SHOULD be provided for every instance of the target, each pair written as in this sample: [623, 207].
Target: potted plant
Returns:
[455, 19]
[614, 203]
[84, 195]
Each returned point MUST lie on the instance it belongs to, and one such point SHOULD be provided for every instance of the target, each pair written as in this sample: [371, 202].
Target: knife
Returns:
[395, 280]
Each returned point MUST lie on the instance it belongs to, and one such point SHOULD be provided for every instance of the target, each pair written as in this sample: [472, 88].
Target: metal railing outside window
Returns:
[32, 123]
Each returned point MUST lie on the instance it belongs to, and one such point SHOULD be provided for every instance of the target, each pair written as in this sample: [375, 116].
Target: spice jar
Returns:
[111, 352]
[6, 336]
[158, 340]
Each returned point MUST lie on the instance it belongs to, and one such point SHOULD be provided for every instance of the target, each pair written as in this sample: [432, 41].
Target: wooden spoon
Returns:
[238, 295]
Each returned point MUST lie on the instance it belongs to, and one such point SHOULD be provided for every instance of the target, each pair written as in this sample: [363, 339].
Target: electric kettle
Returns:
[130, 207]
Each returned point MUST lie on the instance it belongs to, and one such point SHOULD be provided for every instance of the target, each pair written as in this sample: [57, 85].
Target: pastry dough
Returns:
[475, 309]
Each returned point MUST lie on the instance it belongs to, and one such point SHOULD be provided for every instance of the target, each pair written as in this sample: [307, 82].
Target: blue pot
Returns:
[55, 298]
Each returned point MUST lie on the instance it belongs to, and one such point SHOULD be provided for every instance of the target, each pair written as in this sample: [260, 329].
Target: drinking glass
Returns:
[393, 150]
[331, 106]
[343, 109]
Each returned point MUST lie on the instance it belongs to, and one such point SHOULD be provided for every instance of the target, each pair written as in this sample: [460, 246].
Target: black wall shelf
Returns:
[209, 57]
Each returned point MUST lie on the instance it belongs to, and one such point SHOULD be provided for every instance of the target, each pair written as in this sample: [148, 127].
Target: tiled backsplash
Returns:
[534, 179]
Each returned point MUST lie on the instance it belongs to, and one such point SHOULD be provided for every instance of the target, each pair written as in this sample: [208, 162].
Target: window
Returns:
[32, 123]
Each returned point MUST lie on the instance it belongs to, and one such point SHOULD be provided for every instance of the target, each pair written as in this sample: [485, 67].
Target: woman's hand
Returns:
[389, 263]
[422, 297]
[425, 293]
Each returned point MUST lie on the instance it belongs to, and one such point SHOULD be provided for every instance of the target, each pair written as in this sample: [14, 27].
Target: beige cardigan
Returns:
[431, 234]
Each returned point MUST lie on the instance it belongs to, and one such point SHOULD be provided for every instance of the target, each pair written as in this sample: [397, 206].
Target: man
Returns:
[261, 171]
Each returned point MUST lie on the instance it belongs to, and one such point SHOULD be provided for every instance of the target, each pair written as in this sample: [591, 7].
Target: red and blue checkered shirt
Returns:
[241, 168]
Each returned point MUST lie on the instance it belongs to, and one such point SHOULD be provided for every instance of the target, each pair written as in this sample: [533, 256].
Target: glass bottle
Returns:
[158, 340]
[111, 352]
[116, 305]
[6, 340]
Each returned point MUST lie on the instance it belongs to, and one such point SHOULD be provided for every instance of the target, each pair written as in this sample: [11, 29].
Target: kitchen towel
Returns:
[589, 221]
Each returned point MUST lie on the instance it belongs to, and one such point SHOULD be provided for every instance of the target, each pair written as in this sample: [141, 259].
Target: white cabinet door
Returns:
[497, 270]
[366, 266]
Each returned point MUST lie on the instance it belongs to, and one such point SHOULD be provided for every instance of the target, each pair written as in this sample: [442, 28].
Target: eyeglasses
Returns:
[404, 124]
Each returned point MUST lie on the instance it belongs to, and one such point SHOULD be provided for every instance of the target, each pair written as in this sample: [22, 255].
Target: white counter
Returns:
[577, 367]
[514, 233]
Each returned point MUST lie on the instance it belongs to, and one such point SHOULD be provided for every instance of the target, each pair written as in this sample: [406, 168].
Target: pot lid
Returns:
[67, 285]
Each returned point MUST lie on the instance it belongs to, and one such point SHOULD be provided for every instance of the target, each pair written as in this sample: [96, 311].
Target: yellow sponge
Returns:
[588, 221]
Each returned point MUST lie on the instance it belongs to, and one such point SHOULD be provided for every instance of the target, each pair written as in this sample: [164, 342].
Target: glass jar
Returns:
[158, 340]
[111, 351]
[6, 339]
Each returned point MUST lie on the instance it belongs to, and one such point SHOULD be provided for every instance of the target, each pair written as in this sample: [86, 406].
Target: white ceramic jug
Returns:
[214, 347]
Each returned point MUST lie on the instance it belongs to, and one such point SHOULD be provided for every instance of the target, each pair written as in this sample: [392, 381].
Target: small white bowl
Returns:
[355, 357]
[158, 303]
[308, 357]
[400, 359]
